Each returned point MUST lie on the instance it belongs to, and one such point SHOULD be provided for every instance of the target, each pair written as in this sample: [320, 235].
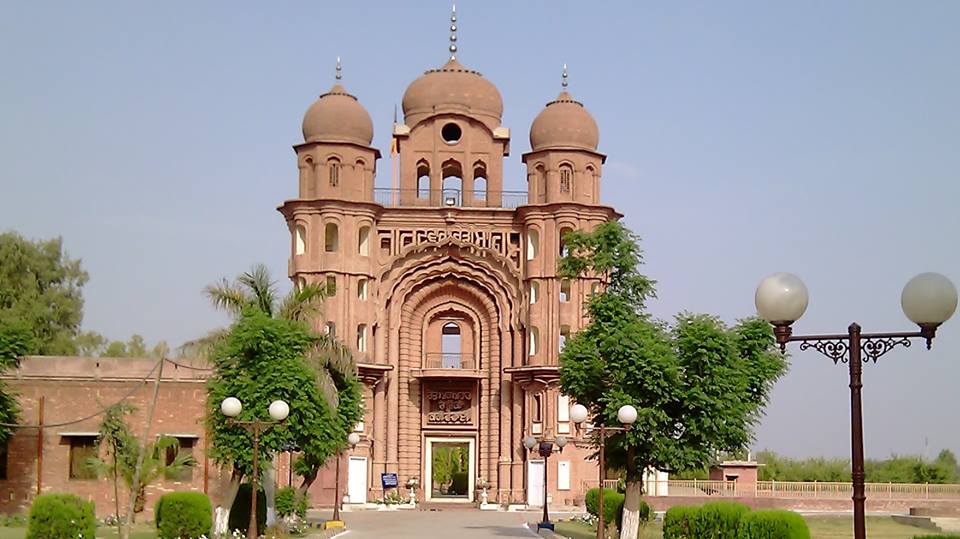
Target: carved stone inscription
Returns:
[450, 405]
[505, 242]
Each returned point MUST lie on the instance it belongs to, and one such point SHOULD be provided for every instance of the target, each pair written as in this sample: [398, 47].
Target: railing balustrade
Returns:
[462, 198]
[449, 361]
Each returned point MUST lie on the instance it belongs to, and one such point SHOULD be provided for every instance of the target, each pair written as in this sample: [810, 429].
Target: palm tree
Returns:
[331, 360]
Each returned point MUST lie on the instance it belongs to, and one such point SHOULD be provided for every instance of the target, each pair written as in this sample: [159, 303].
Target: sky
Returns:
[744, 138]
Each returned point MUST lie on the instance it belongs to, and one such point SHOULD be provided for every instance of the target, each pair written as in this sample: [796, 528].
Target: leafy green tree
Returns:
[699, 386]
[262, 359]
[40, 287]
[16, 340]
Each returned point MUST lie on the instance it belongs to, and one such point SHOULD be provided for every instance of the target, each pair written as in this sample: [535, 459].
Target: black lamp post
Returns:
[929, 299]
[627, 416]
[544, 447]
[279, 410]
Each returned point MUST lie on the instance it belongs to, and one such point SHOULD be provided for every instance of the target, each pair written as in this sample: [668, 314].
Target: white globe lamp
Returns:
[279, 410]
[578, 413]
[627, 415]
[781, 298]
[353, 439]
[929, 299]
[231, 407]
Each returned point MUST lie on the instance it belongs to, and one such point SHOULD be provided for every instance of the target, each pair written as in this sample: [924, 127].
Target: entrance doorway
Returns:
[535, 483]
[357, 480]
[449, 469]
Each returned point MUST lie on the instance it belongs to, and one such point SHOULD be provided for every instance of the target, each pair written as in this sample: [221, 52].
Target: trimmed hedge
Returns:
[612, 506]
[459, 483]
[719, 520]
[61, 516]
[773, 524]
[290, 502]
[183, 515]
[679, 521]
[240, 511]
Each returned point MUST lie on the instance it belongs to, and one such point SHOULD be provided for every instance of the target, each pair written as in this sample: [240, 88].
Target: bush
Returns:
[61, 516]
[718, 520]
[183, 515]
[612, 504]
[240, 511]
[290, 502]
[460, 484]
[679, 521]
[773, 524]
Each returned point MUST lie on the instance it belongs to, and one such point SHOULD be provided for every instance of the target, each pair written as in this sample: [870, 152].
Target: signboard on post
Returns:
[388, 480]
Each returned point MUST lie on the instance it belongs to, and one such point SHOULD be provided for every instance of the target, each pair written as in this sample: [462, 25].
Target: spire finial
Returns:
[339, 69]
[563, 82]
[453, 33]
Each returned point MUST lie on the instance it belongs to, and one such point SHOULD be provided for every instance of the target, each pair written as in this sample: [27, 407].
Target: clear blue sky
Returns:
[821, 138]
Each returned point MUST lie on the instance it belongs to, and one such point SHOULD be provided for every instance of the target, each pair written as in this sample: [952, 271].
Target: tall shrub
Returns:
[290, 502]
[183, 515]
[61, 516]
[612, 504]
[773, 524]
[719, 520]
[678, 522]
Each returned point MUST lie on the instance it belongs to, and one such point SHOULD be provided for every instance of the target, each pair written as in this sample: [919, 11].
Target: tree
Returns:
[16, 340]
[135, 347]
[699, 386]
[122, 449]
[40, 287]
[262, 359]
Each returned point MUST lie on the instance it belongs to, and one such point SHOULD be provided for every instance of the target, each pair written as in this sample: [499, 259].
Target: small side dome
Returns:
[337, 116]
[564, 124]
[452, 88]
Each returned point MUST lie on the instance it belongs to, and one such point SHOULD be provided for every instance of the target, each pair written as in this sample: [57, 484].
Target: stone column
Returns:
[379, 434]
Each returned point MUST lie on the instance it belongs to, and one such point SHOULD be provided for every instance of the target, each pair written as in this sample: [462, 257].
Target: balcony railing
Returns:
[449, 361]
[457, 198]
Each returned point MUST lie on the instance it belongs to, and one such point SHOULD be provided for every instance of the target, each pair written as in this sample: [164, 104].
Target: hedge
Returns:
[773, 524]
[61, 516]
[240, 511]
[183, 515]
[612, 506]
[678, 522]
[290, 502]
[718, 520]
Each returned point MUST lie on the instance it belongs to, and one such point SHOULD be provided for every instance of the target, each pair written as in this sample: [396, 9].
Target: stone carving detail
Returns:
[449, 407]
[504, 242]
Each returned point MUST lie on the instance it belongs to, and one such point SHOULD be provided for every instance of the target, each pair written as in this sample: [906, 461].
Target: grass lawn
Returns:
[140, 531]
[820, 528]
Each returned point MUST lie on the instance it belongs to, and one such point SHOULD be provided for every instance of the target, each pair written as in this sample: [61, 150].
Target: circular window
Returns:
[451, 133]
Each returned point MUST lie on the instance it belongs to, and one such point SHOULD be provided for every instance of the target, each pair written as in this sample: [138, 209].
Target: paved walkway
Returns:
[458, 524]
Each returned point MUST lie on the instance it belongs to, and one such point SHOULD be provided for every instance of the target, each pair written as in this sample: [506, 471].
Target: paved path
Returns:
[458, 524]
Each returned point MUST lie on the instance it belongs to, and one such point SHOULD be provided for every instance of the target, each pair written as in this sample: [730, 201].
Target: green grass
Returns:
[827, 527]
[140, 531]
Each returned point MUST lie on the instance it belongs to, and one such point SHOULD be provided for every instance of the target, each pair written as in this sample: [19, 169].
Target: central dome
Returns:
[337, 116]
[452, 88]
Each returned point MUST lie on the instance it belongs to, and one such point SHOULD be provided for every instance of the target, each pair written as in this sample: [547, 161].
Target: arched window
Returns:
[566, 178]
[479, 181]
[331, 283]
[361, 289]
[363, 241]
[450, 345]
[537, 412]
[330, 329]
[331, 237]
[452, 183]
[534, 292]
[423, 179]
[362, 338]
[533, 243]
[563, 244]
[300, 241]
[534, 341]
[541, 175]
[334, 166]
[565, 290]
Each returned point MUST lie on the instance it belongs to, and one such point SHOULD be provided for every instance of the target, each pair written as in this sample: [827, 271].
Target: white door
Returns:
[535, 483]
[357, 480]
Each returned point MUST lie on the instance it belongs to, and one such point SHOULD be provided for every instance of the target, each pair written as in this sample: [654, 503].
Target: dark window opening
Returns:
[82, 450]
[451, 133]
[184, 448]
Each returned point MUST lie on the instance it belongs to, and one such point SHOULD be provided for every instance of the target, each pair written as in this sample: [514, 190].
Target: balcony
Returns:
[449, 198]
[440, 365]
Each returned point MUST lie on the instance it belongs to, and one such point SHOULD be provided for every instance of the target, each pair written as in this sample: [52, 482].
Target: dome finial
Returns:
[339, 69]
[563, 82]
[453, 33]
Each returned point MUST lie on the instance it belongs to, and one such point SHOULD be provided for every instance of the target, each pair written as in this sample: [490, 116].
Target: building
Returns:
[446, 284]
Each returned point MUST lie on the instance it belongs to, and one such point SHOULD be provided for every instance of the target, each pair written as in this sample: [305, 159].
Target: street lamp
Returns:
[545, 448]
[627, 416]
[353, 439]
[278, 410]
[928, 300]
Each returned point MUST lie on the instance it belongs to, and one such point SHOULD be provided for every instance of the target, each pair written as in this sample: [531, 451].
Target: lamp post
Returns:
[928, 300]
[544, 448]
[278, 410]
[627, 416]
[353, 439]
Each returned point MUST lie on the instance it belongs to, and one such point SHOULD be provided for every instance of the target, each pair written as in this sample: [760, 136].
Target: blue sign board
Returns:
[389, 480]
